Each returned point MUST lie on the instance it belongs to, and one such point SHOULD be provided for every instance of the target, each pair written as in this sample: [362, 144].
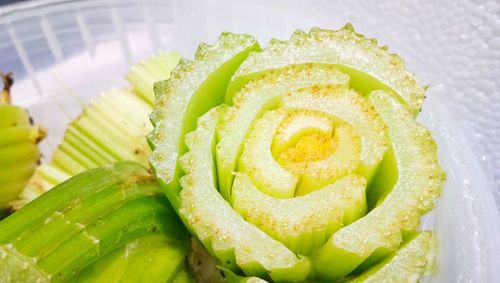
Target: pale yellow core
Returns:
[309, 147]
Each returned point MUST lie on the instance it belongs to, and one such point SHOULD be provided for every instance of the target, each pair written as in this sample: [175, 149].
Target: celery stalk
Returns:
[112, 128]
[86, 218]
[301, 161]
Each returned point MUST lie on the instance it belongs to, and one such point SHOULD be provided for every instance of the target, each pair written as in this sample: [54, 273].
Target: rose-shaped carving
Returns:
[299, 161]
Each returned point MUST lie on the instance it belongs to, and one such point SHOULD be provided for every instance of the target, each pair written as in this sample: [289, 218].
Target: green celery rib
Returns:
[132, 263]
[111, 129]
[65, 162]
[86, 146]
[194, 88]
[36, 212]
[88, 217]
[104, 135]
[144, 75]
[414, 258]
[68, 150]
[62, 226]
[103, 237]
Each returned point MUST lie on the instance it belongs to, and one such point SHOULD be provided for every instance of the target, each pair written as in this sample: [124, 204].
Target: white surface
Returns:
[65, 54]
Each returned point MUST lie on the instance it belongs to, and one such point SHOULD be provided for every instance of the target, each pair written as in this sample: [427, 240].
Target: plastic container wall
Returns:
[64, 53]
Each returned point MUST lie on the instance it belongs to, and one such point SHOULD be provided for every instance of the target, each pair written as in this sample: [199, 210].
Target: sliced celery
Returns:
[252, 101]
[112, 128]
[235, 242]
[419, 182]
[349, 107]
[412, 260]
[157, 68]
[193, 89]
[315, 216]
[369, 66]
[316, 130]
[84, 219]
[257, 160]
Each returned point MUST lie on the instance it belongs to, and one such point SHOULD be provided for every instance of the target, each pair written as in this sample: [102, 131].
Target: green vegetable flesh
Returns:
[346, 105]
[316, 215]
[412, 260]
[112, 128]
[84, 219]
[369, 66]
[316, 154]
[153, 258]
[419, 182]
[194, 88]
[252, 101]
[223, 231]
[143, 75]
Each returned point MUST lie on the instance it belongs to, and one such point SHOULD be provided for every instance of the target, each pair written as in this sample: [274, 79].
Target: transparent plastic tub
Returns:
[64, 53]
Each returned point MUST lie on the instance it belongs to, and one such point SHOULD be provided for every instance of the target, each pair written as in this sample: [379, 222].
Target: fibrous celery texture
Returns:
[300, 161]
[112, 128]
[76, 228]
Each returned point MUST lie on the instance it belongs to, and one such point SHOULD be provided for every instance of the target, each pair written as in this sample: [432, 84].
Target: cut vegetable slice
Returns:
[235, 242]
[194, 88]
[317, 129]
[316, 216]
[111, 129]
[257, 160]
[253, 100]
[369, 66]
[317, 157]
[84, 219]
[419, 182]
[157, 68]
[413, 259]
[349, 107]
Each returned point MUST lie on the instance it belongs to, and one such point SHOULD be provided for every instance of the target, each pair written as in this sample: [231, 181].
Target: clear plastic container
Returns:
[64, 53]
